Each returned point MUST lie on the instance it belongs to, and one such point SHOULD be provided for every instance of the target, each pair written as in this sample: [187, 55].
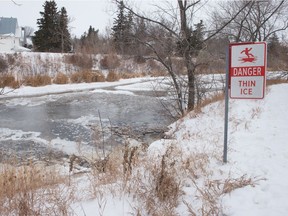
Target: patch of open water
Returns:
[39, 125]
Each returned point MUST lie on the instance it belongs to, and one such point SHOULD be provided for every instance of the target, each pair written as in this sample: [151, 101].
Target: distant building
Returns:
[10, 35]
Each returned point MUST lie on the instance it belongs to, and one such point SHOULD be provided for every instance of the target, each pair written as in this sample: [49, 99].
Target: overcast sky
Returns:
[97, 13]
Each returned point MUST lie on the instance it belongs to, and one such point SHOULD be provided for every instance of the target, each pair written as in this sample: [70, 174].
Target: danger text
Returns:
[247, 71]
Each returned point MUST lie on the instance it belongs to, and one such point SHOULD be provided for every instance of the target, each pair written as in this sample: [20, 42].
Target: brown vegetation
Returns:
[87, 76]
[110, 61]
[276, 81]
[37, 80]
[7, 80]
[61, 78]
[112, 76]
[81, 60]
[33, 190]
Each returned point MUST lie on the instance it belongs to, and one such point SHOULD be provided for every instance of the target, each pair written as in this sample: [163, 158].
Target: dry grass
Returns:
[61, 78]
[37, 80]
[3, 64]
[17, 179]
[138, 59]
[156, 183]
[32, 190]
[232, 184]
[110, 61]
[209, 191]
[87, 76]
[112, 76]
[77, 77]
[276, 81]
[7, 80]
[158, 73]
[129, 75]
[81, 60]
[216, 97]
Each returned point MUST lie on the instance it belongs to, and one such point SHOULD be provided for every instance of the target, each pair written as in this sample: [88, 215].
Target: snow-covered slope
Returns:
[257, 148]
[252, 183]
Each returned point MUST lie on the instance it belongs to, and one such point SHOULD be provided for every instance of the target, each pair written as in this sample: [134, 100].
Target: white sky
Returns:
[97, 13]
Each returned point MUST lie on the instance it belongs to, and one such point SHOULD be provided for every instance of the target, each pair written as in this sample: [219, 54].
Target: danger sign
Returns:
[247, 69]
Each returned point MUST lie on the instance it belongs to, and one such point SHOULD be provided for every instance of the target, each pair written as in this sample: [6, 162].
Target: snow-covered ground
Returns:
[257, 148]
[257, 158]
[28, 91]
[257, 154]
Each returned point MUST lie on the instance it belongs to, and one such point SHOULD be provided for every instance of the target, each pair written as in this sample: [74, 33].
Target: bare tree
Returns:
[257, 22]
[173, 35]
[28, 31]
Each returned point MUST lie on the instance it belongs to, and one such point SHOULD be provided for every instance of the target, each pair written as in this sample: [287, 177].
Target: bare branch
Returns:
[16, 3]
[148, 19]
[227, 23]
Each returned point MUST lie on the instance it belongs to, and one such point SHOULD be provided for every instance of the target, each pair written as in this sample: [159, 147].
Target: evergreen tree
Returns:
[194, 41]
[90, 38]
[122, 30]
[53, 34]
[89, 41]
[274, 46]
[140, 34]
[197, 37]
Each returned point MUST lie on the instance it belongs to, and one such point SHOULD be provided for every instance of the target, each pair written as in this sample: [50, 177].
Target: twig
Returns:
[103, 135]
[111, 132]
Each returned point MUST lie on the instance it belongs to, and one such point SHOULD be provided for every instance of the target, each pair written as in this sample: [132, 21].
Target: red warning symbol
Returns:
[249, 56]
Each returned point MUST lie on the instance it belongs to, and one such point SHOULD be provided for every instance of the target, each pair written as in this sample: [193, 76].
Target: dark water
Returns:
[27, 125]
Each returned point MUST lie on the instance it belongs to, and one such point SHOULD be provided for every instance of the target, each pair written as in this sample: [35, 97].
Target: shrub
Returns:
[3, 64]
[38, 80]
[7, 80]
[158, 73]
[61, 79]
[11, 58]
[112, 76]
[98, 77]
[139, 59]
[110, 61]
[129, 75]
[179, 66]
[87, 76]
[276, 81]
[31, 190]
[76, 77]
[83, 61]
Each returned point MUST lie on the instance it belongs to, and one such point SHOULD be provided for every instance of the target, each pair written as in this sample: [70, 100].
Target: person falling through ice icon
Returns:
[250, 57]
[247, 52]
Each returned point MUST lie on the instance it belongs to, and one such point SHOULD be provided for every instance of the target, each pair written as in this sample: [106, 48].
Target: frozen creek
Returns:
[55, 126]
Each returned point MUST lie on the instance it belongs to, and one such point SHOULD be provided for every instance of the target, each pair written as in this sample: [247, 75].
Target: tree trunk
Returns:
[187, 57]
[191, 83]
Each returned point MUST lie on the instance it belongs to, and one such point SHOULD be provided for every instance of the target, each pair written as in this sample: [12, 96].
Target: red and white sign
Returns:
[247, 68]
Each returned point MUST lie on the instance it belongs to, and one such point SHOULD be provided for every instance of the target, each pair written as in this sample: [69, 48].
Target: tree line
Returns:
[236, 21]
[169, 34]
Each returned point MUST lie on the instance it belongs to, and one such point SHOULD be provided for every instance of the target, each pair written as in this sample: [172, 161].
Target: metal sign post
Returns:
[226, 107]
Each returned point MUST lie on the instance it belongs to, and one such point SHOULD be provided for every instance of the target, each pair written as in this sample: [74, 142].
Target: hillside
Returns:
[191, 168]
